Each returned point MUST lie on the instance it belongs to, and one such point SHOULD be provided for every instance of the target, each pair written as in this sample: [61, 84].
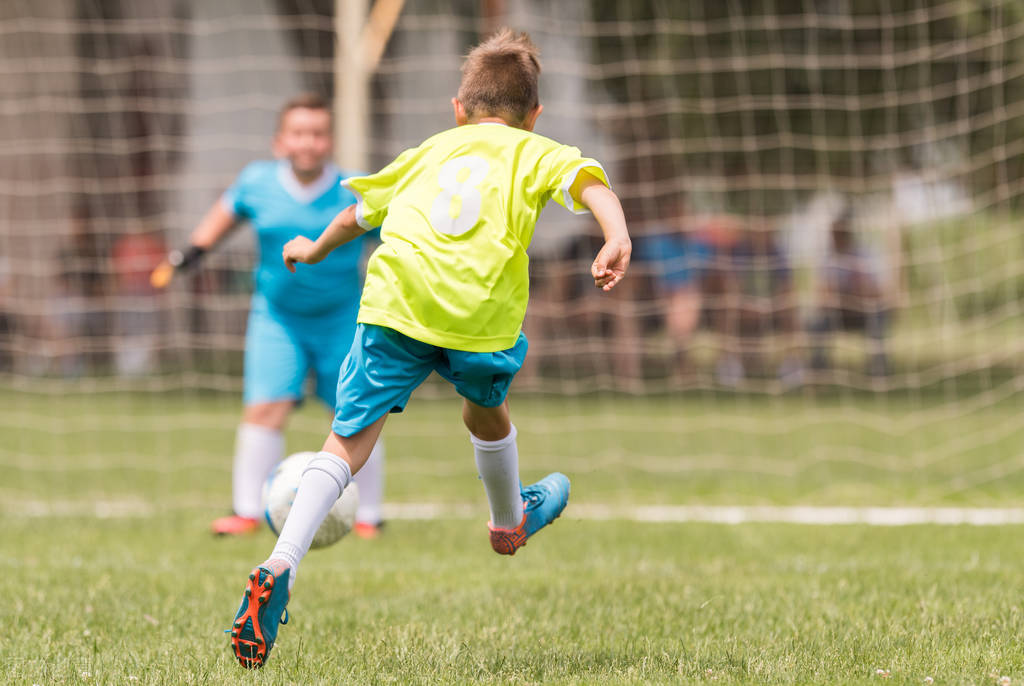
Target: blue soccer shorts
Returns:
[281, 349]
[384, 367]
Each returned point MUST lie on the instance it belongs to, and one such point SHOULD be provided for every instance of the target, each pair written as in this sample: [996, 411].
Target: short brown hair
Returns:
[305, 101]
[499, 77]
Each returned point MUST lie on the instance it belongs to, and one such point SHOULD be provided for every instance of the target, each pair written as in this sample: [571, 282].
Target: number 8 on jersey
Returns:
[458, 179]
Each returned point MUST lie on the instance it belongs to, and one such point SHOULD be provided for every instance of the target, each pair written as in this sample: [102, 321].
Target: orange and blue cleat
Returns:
[234, 525]
[543, 503]
[254, 629]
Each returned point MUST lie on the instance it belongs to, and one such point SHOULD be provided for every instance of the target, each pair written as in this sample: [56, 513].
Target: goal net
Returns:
[825, 199]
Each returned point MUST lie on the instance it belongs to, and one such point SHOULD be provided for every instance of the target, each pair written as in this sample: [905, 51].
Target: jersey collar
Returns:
[309, 192]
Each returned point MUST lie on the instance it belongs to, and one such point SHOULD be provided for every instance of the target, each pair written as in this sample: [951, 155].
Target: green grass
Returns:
[583, 603]
[143, 591]
[173, 451]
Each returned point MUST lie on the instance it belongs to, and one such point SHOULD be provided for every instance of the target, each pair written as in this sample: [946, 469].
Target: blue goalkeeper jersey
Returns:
[279, 208]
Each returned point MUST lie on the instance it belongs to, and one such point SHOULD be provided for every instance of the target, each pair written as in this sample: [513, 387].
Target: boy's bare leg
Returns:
[355, 449]
[322, 482]
[487, 423]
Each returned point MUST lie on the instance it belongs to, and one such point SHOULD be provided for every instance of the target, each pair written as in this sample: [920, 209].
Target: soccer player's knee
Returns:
[487, 423]
[272, 415]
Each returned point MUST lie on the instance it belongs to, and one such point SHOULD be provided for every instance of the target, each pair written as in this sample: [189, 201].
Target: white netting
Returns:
[824, 194]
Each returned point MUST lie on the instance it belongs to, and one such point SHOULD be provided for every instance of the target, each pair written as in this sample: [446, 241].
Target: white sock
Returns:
[257, 451]
[498, 464]
[370, 479]
[322, 482]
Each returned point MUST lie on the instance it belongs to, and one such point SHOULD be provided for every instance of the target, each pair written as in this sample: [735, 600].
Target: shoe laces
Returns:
[532, 496]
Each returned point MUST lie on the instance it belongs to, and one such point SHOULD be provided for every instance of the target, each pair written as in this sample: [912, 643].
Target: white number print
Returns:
[465, 190]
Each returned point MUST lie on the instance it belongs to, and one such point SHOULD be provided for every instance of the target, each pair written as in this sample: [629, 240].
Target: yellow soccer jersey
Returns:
[456, 215]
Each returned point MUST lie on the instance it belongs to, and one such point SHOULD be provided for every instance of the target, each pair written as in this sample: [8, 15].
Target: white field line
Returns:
[803, 514]
[742, 514]
[719, 514]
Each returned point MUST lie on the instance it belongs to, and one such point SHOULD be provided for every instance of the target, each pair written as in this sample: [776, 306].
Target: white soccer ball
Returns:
[279, 494]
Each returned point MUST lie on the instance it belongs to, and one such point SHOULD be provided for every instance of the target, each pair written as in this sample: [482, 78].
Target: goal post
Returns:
[361, 39]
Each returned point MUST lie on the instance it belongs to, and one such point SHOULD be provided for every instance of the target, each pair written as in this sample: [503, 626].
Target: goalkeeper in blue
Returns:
[298, 325]
[446, 291]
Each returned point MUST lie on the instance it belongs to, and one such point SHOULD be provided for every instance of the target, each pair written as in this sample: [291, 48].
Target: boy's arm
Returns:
[342, 229]
[613, 259]
[214, 225]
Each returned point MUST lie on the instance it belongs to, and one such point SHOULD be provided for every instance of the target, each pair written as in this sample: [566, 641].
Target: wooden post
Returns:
[379, 26]
[351, 87]
[360, 44]
[493, 15]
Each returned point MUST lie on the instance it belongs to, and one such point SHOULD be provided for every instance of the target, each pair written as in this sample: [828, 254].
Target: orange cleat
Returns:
[263, 609]
[234, 525]
[543, 503]
[366, 530]
[508, 541]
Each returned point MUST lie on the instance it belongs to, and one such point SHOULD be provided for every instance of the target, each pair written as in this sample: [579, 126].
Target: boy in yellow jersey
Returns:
[446, 291]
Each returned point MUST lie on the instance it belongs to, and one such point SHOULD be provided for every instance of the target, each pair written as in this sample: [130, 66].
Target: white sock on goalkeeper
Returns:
[258, 449]
[370, 480]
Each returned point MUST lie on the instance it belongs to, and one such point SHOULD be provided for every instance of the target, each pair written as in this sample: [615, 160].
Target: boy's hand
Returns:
[299, 249]
[611, 263]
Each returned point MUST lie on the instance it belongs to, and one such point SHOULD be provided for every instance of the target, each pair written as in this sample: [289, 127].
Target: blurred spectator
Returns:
[539, 314]
[76, 316]
[569, 319]
[676, 254]
[6, 315]
[137, 318]
[852, 300]
[749, 286]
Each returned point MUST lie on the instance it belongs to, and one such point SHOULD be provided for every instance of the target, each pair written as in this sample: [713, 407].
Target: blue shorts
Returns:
[384, 367]
[281, 349]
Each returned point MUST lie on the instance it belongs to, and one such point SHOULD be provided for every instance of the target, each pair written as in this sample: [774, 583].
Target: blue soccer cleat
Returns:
[543, 502]
[254, 629]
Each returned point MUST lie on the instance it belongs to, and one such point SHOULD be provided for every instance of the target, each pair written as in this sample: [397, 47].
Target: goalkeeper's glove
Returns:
[175, 260]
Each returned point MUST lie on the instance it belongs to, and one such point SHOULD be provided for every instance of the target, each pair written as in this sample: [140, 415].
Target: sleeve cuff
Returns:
[570, 178]
[360, 209]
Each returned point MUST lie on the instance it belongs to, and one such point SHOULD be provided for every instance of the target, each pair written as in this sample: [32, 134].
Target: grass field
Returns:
[109, 574]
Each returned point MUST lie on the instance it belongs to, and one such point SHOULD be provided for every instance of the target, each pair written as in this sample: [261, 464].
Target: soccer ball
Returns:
[279, 494]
